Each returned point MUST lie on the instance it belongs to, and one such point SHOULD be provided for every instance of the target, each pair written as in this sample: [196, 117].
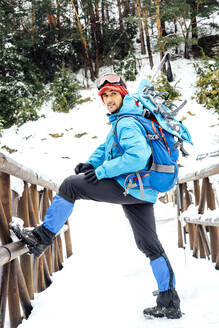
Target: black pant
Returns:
[139, 213]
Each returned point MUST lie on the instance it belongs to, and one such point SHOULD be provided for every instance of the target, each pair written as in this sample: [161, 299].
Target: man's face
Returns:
[113, 100]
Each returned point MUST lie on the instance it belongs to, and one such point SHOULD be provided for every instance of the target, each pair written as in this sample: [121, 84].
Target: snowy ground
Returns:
[108, 282]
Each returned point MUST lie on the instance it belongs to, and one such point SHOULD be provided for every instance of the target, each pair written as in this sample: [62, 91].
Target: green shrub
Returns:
[19, 102]
[127, 67]
[65, 91]
[207, 85]
[162, 85]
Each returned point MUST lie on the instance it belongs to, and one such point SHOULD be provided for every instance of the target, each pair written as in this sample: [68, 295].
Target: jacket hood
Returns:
[129, 106]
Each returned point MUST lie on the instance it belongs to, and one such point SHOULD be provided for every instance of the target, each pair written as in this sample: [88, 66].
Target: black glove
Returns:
[90, 176]
[83, 167]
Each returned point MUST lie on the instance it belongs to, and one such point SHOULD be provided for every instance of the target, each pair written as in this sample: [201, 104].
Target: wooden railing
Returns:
[21, 274]
[203, 232]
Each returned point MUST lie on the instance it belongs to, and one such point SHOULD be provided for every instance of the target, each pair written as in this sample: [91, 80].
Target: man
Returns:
[102, 178]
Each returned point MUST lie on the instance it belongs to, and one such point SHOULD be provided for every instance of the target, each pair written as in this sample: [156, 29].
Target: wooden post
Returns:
[5, 195]
[47, 278]
[35, 201]
[203, 197]
[205, 240]
[32, 214]
[23, 291]
[68, 240]
[4, 231]
[23, 208]
[214, 237]
[4, 278]
[48, 255]
[190, 226]
[217, 263]
[41, 276]
[214, 231]
[196, 192]
[13, 297]
[201, 244]
[26, 260]
[60, 248]
[15, 199]
[50, 195]
[195, 245]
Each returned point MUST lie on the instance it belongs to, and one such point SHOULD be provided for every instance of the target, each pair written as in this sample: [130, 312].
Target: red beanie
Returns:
[115, 87]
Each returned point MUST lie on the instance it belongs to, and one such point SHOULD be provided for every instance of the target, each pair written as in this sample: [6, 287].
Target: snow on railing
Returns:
[21, 274]
[198, 212]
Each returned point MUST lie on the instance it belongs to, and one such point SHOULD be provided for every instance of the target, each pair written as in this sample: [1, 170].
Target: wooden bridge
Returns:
[22, 275]
[202, 230]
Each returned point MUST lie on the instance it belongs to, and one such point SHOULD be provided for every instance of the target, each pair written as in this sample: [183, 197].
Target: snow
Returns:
[108, 282]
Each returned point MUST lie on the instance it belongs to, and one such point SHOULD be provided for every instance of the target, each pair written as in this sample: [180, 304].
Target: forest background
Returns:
[45, 43]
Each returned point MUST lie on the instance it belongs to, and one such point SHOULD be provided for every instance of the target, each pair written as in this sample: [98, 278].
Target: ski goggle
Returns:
[111, 79]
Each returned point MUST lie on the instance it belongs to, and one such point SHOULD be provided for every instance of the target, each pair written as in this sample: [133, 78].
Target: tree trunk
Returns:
[58, 20]
[159, 30]
[84, 41]
[148, 42]
[175, 30]
[194, 25]
[186, 49]
[33, 21]
[143, 50]
[95, 38]
[120, 17]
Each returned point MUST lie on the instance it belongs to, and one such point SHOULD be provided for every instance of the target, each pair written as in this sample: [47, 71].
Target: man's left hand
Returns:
[90, 176]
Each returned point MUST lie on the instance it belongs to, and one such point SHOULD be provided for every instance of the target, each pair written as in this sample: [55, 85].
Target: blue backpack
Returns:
[161, 131]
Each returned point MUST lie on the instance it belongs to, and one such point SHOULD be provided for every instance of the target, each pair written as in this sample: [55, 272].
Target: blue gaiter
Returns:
[161, 273]
[57, 214]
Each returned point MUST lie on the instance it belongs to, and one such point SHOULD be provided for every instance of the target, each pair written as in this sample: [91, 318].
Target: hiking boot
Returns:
[161, 311]
[37, 240]
[168, 305]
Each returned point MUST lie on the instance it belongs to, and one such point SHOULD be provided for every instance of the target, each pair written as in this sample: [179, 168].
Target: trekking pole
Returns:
[165, 58]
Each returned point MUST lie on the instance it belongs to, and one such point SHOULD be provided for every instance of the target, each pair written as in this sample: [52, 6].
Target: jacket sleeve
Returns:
[98, 156]
[137, 151]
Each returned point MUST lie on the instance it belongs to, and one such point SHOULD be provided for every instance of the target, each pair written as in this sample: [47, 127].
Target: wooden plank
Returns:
[217, 262]
[41, 275]
[59, 240]
[210, 196]
[26, 260]
[23, 291]
[195, 245]
[13, 298]
[4, 278]
[23, 208]
[191, 229]
[9, 166]
[201, 245]
[68, 243]
[32, 214]
[201, 207]
[47, 278]
[48, 255]
[27, 269]
[35, 201]
[196, 192]
[5, 195]
[200, 174]
[214, 238]
[4, 231]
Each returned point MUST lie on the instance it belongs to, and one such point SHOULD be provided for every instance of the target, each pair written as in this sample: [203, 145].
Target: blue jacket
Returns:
[108, 161]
